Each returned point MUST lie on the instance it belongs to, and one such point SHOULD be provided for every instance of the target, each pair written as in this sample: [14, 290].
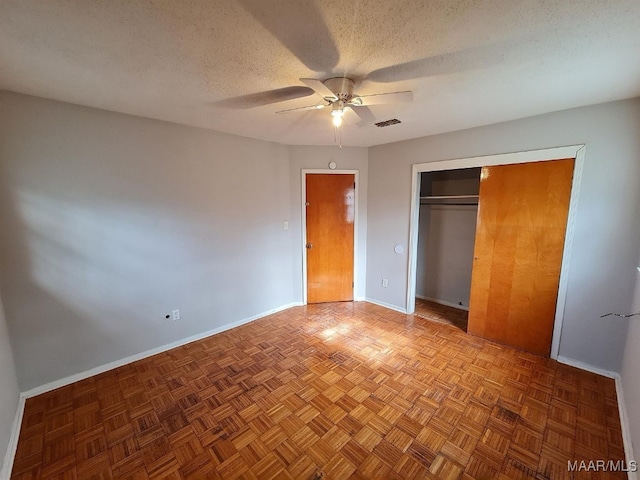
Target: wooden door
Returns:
[330, 204]
[522, 219]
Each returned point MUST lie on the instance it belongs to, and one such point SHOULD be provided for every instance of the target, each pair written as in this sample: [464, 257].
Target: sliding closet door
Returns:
[522, 218]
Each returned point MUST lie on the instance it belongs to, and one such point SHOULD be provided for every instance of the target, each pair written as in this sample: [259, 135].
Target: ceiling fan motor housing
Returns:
[342, 87]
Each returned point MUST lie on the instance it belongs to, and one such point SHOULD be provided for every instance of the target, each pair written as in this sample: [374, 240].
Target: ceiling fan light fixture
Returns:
[337, 109]
[337, 112]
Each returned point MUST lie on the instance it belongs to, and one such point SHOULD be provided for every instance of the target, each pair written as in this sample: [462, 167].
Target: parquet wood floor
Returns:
[442, 313]
[333, 391]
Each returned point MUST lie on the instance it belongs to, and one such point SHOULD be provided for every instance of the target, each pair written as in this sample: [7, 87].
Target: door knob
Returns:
[309, 245]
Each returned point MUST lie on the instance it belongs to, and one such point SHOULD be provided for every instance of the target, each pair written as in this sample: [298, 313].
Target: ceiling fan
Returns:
[337, 93]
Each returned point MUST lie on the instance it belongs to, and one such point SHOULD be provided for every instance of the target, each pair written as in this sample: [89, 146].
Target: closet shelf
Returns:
[449, 200]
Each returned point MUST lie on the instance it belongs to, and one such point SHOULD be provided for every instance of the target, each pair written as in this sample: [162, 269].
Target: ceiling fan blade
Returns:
[359, 116]
[300, 27]
[300, 109]
[265, 98]
[473, 58]
[320, 88]
[385, 98]
[364, 113]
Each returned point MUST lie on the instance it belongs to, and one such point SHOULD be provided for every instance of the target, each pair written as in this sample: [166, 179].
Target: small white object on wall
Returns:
[398, 249]
[333, 165]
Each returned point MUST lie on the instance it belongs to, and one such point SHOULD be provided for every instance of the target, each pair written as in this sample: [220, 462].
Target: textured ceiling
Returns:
[219, 63]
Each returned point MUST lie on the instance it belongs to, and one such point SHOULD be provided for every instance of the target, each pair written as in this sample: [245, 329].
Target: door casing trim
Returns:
[572, 151]
[356, 260]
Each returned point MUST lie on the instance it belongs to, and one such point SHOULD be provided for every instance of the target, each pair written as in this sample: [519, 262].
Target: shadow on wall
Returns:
[85, 284]
[42, 288]
[111, 221]
[92, 255]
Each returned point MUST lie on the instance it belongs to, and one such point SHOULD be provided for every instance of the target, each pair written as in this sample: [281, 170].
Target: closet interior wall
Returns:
[446, 236]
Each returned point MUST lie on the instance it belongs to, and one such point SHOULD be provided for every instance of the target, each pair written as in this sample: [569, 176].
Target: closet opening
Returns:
[447, 220]
[545, 166]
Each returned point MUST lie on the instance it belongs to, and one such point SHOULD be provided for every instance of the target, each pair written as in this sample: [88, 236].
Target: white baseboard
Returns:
[626, 427]
[47, 387]
[443, 302]
[10, 456]
[585, 366]
[386, 305]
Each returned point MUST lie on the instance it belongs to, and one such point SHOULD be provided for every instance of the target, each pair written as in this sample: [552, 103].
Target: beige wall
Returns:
[114, 221]
[111, 221]
[631, 366]
[446, 238]
[606, 241]
[9, 393]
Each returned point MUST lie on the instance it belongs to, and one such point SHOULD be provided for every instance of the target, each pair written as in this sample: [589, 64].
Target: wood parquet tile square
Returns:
[332, 391]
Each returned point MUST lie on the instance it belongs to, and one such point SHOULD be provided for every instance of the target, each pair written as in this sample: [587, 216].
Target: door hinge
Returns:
[353, 284]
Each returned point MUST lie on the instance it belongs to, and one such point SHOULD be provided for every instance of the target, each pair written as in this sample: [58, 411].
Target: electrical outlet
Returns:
[175, 314]
[385, 282]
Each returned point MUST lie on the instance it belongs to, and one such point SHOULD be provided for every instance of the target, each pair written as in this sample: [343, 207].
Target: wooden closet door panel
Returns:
[522, 218]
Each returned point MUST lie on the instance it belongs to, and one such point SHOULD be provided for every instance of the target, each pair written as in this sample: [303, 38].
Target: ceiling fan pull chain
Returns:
[337, 137]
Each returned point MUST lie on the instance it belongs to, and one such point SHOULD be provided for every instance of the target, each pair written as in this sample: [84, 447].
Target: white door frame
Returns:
[305, 172]
[558, 153]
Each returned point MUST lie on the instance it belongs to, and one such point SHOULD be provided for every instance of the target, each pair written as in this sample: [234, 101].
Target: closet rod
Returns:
[449, 200]
[457, 204]
[450, 197]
